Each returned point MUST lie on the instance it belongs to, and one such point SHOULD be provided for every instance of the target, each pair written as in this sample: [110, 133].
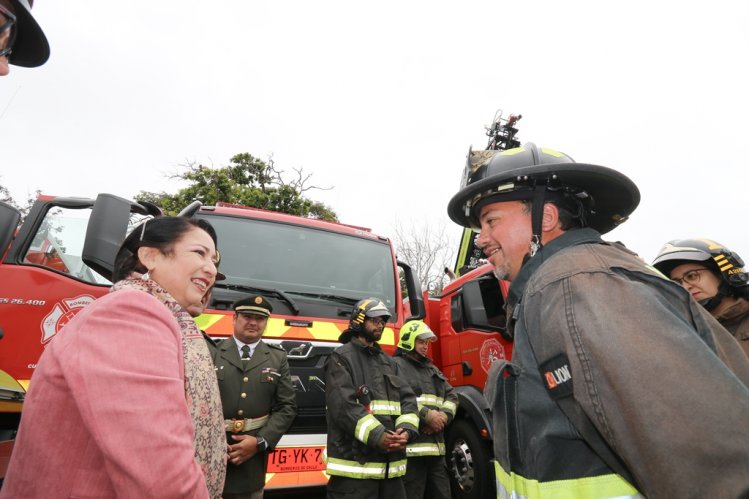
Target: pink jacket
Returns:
[106, 414]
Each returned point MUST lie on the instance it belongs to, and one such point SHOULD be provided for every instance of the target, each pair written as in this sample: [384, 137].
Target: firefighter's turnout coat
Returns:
[620, 384]
[432, 392]
[356, 421]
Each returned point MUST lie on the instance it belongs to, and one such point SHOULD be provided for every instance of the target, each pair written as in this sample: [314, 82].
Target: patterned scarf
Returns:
[201, 387]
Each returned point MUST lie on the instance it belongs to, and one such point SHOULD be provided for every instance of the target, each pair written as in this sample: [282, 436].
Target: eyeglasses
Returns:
[689, 277]
[7, 33]
[377, 321]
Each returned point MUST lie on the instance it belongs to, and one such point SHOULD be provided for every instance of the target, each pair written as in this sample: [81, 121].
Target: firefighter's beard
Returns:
[371, 336]
[500, 273]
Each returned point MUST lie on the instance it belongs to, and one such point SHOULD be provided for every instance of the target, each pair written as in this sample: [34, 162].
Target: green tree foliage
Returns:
[248, 181]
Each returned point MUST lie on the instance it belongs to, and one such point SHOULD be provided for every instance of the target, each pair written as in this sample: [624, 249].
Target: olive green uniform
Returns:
[261, 387]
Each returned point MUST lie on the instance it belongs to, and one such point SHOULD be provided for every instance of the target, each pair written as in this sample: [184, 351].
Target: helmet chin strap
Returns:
[417, 356]
[710, 303]
[537, 218]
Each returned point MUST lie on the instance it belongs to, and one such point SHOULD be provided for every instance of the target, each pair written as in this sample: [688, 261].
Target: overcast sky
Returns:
[381, 100]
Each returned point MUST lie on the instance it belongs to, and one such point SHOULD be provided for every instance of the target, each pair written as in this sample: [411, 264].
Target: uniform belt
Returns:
[240, 425]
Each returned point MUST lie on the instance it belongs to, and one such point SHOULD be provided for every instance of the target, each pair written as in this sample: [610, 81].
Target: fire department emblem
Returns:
[61, 314]
[491, 350]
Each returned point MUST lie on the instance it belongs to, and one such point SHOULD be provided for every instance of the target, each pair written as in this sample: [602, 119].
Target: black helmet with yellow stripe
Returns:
[599, 197]
[723, 262]
[367, 308]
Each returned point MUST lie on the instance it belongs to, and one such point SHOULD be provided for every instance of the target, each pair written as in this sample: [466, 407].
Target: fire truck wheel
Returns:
[471, 475]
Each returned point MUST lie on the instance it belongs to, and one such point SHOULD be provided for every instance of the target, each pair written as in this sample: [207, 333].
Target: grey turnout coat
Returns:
[356, 422]
[607, 348]
[736, 320]
[432, 392]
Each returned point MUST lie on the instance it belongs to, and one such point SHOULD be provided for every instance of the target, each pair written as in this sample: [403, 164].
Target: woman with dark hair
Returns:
[124, 401]
[715, 277]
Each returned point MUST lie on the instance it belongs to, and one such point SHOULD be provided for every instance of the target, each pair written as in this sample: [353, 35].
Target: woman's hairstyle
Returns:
[160, 233]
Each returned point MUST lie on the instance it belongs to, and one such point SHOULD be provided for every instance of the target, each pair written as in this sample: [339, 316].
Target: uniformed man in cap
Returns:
[257, 396]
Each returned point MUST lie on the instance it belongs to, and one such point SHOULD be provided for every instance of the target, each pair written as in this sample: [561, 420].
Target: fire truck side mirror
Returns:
[479, 306]
[9, 218]
[107, 228]
[415, 294]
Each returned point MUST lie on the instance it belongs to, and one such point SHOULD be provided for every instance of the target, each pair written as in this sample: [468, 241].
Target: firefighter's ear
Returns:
[550, 220]
[148, 256]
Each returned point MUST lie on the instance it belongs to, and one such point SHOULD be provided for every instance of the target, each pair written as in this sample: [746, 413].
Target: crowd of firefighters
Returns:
[627, 379]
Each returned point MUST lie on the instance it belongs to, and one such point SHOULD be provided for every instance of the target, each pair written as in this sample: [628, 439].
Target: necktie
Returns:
[246, 352]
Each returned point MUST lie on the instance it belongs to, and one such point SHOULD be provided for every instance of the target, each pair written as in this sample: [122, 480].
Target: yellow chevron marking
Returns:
[388, 337]
[321, 330]
[513, 152]
[205, 321]
[551, 152]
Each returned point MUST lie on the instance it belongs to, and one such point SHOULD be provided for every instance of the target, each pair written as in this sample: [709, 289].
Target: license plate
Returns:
[290, 459]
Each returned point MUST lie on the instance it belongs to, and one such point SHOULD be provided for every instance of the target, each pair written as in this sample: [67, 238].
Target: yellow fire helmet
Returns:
[411, 331]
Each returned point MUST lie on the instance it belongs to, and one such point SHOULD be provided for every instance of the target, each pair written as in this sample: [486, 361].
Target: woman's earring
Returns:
[146, 276]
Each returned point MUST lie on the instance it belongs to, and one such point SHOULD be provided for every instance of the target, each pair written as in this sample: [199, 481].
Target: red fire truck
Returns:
[61, 257]
[59, 260]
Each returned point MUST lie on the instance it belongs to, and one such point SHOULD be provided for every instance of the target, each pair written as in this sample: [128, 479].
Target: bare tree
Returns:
[429, 250]
[6, 197]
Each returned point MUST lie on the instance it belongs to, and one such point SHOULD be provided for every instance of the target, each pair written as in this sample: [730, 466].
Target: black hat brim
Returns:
[615, 196]
[31, 48]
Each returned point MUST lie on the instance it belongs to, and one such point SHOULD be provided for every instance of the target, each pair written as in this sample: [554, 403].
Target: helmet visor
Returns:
[427, 335]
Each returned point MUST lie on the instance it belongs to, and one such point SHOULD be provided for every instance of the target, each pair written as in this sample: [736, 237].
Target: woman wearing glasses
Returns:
[715, 277]
[22, 41]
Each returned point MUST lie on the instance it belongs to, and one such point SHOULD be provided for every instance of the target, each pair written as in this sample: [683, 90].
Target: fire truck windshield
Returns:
[316, 267]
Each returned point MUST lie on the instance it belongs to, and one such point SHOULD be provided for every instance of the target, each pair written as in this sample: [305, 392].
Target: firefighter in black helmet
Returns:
[371, 412]
[592, 404]
[715, 277]
[22, 41]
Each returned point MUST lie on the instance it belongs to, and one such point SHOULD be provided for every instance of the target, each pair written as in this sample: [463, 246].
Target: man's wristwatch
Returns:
[262, 445]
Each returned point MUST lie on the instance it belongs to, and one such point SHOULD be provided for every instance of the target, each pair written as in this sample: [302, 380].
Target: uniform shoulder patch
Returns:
[277, 347]
[557, 376]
